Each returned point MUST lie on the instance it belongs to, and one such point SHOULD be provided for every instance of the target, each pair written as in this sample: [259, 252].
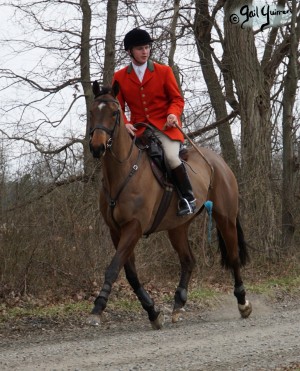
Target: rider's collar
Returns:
[150, 66]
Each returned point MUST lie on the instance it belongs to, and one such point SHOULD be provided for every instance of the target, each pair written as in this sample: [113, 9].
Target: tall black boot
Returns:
[187, 202]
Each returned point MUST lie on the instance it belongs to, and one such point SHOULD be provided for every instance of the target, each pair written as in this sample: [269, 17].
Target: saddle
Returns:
[150, 143]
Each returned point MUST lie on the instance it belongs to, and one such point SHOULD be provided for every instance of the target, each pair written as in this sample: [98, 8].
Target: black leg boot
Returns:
[187, 202]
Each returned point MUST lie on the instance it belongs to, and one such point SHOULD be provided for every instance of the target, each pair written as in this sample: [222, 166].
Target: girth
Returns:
[165, 200]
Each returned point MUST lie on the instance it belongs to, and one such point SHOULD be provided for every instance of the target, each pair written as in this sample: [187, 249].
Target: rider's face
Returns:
[140, 53]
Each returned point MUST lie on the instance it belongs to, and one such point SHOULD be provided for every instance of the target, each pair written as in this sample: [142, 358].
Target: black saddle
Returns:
[149, 142]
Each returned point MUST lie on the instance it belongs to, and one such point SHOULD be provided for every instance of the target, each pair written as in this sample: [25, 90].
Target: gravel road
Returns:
[216, 339]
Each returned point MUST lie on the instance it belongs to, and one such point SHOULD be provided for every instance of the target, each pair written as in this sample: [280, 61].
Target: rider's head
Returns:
[136, 37]
[138, 43]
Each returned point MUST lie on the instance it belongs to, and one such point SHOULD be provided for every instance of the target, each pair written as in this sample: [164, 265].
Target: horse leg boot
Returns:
[156, 317]
[180, 243]
[187, 202]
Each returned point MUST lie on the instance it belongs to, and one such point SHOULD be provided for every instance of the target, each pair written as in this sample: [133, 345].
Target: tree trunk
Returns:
[202, 31]
[86, 81]
[254, 101]
[288, 171]
[173, 38]
[110, 41]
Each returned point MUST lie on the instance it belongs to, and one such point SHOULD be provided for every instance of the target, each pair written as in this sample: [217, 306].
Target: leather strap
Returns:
[164, 204]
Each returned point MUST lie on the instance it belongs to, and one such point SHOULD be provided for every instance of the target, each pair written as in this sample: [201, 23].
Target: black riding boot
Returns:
[187, 202]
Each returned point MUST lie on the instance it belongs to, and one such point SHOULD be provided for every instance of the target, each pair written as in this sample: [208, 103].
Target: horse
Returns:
[129, 209]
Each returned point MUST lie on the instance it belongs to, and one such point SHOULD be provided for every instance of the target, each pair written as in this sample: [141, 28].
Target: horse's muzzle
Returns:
[97, 151]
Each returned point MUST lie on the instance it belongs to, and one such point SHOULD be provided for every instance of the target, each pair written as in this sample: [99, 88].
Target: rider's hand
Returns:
[172, 121]
[131, 129]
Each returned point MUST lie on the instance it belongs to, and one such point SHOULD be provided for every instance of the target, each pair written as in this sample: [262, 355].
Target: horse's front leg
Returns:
[156, 317]
[129, 236]
[179, 240]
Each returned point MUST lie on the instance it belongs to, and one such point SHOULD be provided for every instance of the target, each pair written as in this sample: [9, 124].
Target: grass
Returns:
[202, 294]
[290, 284]
[126, 301]
[62, 310]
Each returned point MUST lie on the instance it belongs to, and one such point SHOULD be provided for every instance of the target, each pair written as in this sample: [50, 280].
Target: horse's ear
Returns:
[115, 88]
[96, 88]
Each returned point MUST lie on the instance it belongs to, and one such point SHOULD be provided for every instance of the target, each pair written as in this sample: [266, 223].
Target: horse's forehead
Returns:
[103, 102]
[101, 106]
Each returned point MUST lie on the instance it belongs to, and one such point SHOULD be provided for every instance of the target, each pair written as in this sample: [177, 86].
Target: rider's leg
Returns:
[187, 203]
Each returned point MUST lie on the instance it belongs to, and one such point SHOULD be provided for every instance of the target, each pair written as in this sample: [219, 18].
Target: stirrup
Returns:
[187, 207]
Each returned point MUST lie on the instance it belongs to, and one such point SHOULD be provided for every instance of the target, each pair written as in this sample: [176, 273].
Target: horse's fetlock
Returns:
[180, 297]
[240, 294]
[99, 305]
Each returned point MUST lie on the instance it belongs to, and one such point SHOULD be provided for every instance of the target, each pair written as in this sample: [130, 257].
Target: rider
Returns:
[151, 93]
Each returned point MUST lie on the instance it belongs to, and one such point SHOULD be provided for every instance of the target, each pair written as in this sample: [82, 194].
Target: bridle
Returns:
[115, 113]
[111, 132]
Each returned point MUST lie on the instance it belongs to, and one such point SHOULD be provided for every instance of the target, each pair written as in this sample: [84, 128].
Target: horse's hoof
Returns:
[177, 314]
[159, 322]
[245, 309]
[94, 320]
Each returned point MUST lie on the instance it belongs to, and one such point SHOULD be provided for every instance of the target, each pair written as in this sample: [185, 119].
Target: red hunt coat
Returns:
[151, 100]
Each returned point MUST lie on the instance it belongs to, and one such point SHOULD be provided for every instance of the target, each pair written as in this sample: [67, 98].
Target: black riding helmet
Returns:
[136, 37]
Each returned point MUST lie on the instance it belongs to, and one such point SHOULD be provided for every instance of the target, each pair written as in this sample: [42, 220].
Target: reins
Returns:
[111, 132]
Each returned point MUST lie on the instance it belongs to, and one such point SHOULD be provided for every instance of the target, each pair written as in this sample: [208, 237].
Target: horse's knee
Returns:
[188, 262]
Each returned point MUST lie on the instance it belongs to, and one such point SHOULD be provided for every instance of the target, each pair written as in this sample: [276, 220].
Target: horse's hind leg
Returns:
[234, 254]
[179, 240]
[156, 318]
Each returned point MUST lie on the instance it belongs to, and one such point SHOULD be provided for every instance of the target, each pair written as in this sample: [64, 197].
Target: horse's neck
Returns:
[118, 161]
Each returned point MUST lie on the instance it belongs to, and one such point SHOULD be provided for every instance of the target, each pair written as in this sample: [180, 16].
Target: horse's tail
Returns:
[243, 251]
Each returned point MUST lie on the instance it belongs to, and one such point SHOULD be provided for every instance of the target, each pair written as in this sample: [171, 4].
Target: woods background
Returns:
[242, 99]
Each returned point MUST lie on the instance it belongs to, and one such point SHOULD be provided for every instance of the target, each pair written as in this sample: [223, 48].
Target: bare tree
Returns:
[203, 24]
[288, 134]
[253, 80]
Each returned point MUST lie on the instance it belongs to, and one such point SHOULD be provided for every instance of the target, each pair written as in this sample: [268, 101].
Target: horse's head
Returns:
[104, 118]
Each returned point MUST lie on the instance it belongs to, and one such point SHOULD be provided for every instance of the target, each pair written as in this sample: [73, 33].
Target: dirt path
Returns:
[214, 340]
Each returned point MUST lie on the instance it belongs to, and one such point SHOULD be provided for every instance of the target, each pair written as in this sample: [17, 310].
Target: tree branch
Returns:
[72, 179]
[212, 126]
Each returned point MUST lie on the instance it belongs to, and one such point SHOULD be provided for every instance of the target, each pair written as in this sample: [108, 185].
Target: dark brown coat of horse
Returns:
[130, 197]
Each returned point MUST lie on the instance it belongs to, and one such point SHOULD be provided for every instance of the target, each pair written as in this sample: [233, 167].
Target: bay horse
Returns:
[131, 195]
